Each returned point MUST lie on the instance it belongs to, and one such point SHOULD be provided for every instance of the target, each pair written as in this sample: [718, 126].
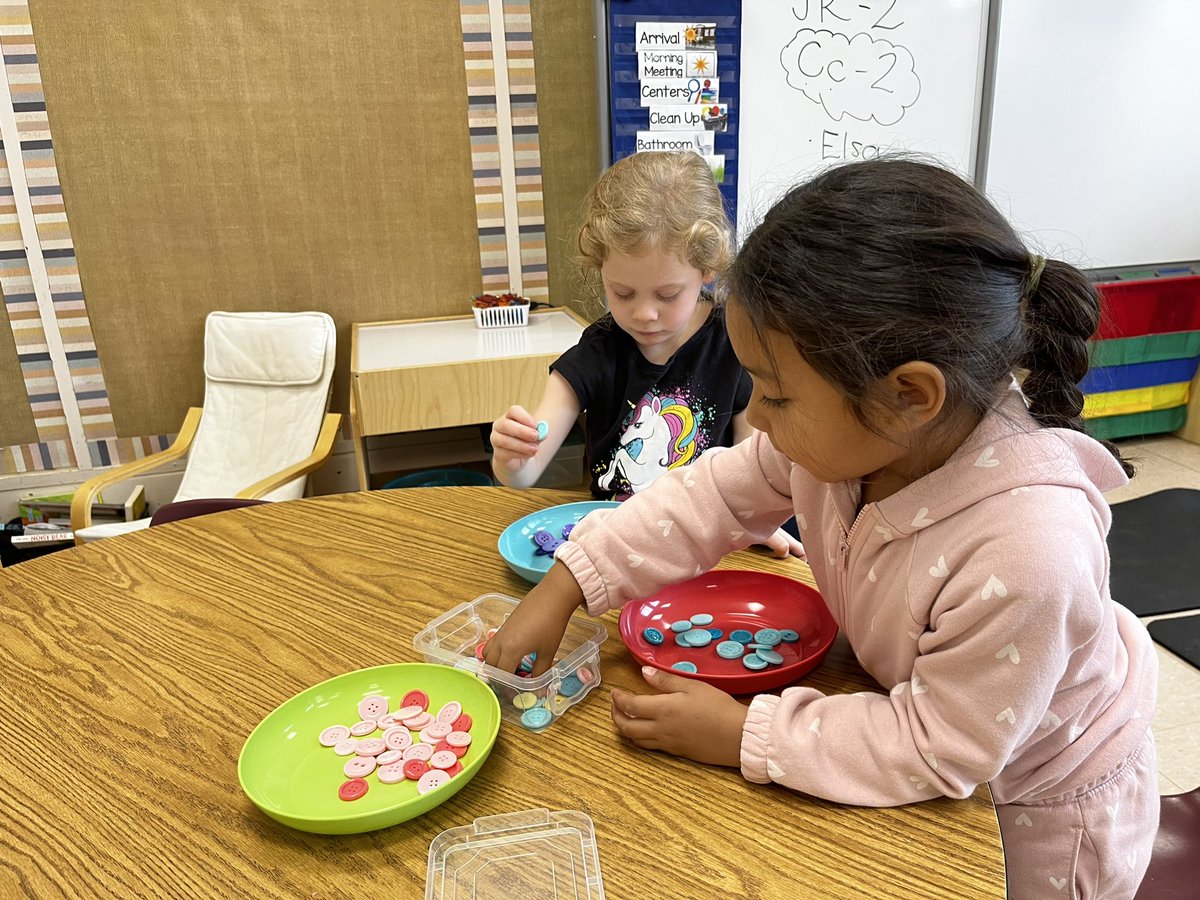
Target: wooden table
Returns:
[135, 668]
[417, 374]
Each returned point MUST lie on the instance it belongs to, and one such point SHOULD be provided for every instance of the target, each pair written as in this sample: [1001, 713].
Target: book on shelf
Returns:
[56, 508]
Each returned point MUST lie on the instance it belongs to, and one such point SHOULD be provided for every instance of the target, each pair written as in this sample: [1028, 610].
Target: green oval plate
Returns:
[287, 774]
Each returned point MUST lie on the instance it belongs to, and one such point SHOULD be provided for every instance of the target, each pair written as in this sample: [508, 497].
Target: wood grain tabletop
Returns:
[134, 669]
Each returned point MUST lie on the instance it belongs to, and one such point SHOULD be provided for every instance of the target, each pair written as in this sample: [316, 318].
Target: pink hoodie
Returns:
[977, 595]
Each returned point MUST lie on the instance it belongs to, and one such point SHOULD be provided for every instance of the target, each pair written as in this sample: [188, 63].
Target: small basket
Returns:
[513, 316]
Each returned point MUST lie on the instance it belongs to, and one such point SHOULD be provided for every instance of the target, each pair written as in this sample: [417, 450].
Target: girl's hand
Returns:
[689, 719]
[537, 624]
[514, 438]
[782, 545]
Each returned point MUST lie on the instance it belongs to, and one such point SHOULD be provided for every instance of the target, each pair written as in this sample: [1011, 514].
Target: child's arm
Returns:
[518, 458]
[781, 544]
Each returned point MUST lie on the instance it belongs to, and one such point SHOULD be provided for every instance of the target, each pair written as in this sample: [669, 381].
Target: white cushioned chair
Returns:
[263, 426]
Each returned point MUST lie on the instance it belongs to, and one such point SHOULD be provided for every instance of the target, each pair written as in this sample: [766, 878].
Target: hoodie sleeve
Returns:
[681, 525]
[1015, 605]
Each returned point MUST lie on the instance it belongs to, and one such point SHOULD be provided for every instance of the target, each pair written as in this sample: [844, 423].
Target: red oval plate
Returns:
[735, 599]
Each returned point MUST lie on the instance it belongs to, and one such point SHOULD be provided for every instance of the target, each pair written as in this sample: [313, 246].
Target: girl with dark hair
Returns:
[915, 373]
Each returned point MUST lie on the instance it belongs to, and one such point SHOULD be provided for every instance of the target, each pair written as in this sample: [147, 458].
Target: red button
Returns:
[416, 698]
[462, 723]
[454, 769]
[415, 768]
[352, 789]
[446, 745]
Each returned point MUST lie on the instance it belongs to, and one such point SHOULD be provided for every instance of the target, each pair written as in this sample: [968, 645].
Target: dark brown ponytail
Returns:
[1060, 312]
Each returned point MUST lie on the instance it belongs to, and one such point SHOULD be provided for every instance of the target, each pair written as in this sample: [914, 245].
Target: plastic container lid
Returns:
[532, 854]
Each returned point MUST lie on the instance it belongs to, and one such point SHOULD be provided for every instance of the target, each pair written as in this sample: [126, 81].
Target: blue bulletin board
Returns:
[627, 115]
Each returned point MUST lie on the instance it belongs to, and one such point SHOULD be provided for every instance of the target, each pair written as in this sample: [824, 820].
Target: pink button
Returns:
[442, 745]
[407, 712]
[358, 766]
[370, 747]
[443, 759]
[449, 712]
[391, 773]
[383, 723]
[417, 722]
[372, 707]
[419, 751]
[387, 757]
[334, 733]
[346, 747]
[432, 780]
[397, 738]
[416, 698]
[363, 728]
[458, 739]
[435, 731]
[586, 675]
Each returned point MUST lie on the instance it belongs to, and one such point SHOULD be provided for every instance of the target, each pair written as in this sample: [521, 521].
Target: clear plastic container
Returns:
[452, 637]
[534, 853]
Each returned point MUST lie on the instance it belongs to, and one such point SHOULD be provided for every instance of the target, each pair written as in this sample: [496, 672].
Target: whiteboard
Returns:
[826, 81]
[1095, 133]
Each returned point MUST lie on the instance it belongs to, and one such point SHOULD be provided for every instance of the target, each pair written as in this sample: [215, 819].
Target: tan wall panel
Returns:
[276, 154]
[16, 418]
[565, 51]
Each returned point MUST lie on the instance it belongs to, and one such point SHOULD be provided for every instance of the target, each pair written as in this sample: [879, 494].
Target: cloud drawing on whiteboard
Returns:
[858, 77]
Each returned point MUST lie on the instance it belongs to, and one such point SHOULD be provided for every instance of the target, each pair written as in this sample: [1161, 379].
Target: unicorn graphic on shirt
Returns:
[660, 435]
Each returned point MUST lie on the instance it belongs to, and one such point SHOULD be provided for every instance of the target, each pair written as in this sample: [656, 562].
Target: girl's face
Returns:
[805, 416]
[653, 297]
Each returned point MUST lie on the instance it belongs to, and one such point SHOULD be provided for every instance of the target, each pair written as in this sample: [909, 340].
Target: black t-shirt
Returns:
[644, 419]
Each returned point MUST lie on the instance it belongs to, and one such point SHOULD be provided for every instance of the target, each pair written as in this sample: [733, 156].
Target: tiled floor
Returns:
[1168, 462]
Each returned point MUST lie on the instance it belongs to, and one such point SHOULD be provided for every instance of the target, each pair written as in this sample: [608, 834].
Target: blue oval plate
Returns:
[516, 543]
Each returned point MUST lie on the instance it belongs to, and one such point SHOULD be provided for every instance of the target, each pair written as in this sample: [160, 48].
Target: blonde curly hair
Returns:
[657, 201]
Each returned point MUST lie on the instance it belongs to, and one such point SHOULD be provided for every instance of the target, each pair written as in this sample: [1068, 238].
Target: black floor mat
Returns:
[1154, 545]
[1180, 635]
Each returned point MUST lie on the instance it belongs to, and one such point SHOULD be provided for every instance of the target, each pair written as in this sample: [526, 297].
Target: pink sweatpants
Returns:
[1093, 845]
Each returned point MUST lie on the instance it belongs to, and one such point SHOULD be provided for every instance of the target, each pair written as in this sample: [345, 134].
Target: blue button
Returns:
[571, 685]
[681, 625]
[702, 619]
[788, 635]
[536, 718]
[730, 650]
[716, 633]
[754, 661]
[768, 636]
[685, 666]
[741, 635]
[697, 637]
[653, 636]
[771, 656]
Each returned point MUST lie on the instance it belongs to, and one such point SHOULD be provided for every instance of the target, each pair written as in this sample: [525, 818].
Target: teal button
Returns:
[730, 650]
[697, 637]
[571, 685]
[681, 625]
[754, 661]
[702, 619]
[543, 429]
[682, 641]
[536, 718]
[653, 636]
[771, 656]
[685, 666]
[741, 635]
[788, 635]
[768, 636]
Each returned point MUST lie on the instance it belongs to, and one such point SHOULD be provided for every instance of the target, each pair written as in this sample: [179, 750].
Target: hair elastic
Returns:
[1036, 265]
